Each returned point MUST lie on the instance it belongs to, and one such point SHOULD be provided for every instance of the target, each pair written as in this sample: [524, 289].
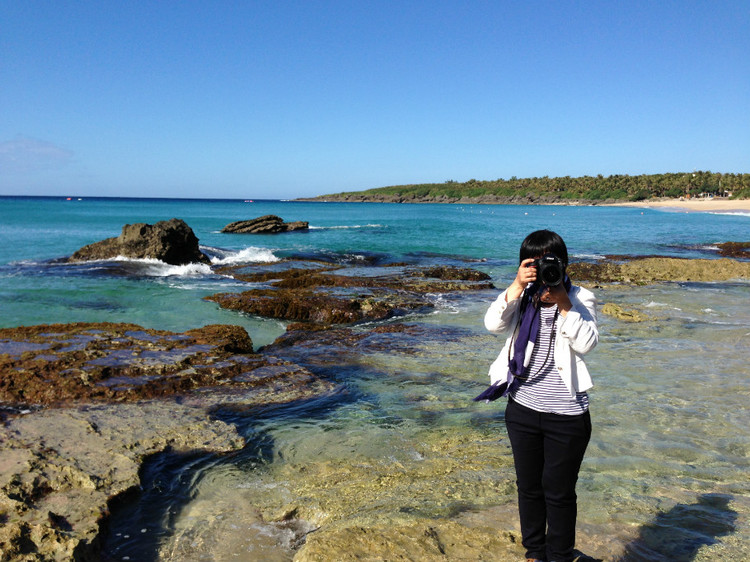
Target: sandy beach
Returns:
[714, 205]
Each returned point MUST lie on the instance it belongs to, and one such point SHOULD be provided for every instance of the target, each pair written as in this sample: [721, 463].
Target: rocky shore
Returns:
[84, 405]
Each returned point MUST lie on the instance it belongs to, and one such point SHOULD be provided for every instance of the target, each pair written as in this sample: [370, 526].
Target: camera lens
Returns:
[551, 270]
[551, 276]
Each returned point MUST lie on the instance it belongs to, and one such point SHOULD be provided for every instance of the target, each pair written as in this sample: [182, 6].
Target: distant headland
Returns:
[584, 190]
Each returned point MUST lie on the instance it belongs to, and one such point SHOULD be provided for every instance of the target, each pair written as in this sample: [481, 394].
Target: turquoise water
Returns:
[670, 444]
[34, 232]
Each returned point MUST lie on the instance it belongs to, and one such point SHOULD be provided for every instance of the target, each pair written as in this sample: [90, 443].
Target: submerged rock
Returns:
[616, 311]
[412, 540]
[172, 242]
[268, 224]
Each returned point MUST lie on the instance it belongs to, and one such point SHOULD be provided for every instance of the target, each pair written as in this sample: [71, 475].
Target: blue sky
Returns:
[282, 99]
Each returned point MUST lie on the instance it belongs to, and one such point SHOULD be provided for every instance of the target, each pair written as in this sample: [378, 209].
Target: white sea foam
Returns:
[250, 254]
[589, 256]
[157, 268]
[733, 213]
[347, 227]
[442, 305]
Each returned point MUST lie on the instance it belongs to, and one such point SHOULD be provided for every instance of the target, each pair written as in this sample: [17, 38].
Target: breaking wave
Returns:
[347, 227]
[246, 255]
[155, 268]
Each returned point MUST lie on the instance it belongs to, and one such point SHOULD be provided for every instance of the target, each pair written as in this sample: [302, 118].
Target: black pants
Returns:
[547, 452]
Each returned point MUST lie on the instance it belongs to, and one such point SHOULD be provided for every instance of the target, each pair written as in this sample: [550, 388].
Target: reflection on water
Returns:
[665, 476]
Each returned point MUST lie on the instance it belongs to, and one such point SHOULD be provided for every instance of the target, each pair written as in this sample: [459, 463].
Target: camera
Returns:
[550, 270]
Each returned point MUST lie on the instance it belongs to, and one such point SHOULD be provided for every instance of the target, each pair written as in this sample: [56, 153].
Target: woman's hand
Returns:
[557, 295]
[526, 274]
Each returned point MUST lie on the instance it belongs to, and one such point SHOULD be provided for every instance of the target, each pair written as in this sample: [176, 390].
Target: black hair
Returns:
[542, 242]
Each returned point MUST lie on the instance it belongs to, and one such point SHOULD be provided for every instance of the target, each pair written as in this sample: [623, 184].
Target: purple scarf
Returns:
[528, 331]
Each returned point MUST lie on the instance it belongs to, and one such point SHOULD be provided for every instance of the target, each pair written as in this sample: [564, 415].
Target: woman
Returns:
[542, 372]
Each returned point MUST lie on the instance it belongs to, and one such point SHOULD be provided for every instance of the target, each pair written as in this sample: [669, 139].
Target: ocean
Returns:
[665, 476]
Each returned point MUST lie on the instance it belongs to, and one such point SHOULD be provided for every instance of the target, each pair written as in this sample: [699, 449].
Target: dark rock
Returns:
[72, 363]
[734, 249]
[302, 305]
[324, 296]
[268, 224]
[448, 273]
[171, 241]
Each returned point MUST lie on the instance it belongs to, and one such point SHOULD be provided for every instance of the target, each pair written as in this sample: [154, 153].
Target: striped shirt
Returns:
[542, 389]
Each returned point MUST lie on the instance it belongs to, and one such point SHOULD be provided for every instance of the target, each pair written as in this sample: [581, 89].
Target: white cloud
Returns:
[24, 154]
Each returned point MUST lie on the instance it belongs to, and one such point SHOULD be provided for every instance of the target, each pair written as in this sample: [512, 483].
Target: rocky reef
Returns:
[84, 405]
[648, 270]
[332, 295]
[66, 364]
[268, 224]
[734, 249]
[172, 242]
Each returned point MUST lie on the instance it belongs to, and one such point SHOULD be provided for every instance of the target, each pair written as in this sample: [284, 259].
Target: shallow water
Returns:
[665, 476]
[403, 440]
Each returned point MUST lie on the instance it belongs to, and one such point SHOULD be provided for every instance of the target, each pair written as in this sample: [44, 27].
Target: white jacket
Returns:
[576, 335]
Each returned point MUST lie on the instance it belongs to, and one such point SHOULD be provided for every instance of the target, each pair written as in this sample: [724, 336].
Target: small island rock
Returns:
[172, 242]
[268, 224]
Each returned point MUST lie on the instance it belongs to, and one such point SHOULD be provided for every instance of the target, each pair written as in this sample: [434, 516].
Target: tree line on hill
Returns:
[561, 189]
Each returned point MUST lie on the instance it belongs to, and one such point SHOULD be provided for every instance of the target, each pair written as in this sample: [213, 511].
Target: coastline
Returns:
[710, 205]
[714, 205]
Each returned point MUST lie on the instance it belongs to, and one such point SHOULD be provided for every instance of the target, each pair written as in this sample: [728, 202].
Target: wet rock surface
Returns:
[336, 296]
[648, 270]
[70, 363]
[59, 468]
[172, 242]
[84, 404]
[268, 224]
[734, 249]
